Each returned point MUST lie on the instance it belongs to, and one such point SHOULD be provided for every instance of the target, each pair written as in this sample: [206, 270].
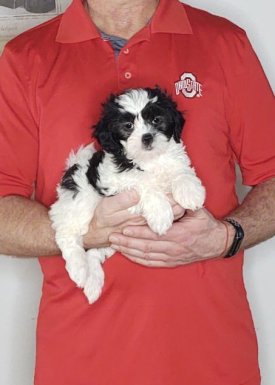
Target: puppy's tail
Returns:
[81, 156]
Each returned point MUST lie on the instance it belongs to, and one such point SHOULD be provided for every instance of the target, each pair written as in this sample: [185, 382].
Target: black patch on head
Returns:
[68, 181]
[163, 114]
[92, 172]
[115, 125]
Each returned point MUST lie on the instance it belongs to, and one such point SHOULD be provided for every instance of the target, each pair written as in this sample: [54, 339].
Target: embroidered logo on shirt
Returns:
[188, 86]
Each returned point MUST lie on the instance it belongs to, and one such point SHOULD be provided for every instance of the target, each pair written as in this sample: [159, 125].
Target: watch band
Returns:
[239, 235]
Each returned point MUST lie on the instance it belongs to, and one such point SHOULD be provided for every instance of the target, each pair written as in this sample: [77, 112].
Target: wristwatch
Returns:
[239, 235]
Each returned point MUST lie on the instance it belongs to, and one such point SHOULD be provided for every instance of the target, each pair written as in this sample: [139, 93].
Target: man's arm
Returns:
[198, 235]
[257, 214]
[25, 227]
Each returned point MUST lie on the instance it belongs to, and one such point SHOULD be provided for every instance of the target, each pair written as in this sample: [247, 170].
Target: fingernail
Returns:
[114, 239]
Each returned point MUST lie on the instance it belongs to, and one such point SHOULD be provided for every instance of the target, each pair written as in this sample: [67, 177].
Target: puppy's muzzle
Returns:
[147, 140]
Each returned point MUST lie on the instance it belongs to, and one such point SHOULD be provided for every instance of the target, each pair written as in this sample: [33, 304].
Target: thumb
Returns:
[124, 200]
[200, 213]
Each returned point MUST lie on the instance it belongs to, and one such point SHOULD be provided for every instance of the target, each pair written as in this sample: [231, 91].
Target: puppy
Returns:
[139, 133]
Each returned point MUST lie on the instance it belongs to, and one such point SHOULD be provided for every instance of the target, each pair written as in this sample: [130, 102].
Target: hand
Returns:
[196, 237]
[112, 215]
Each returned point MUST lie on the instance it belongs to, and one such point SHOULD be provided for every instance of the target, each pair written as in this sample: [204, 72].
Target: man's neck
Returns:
[122, 18]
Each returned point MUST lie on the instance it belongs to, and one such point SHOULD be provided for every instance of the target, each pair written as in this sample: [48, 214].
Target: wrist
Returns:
[229, 237]
[95, 237]
[237, 239]
[226, 237]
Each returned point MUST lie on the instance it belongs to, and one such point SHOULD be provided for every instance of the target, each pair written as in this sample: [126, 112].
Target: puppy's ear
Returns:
[178, 122]
[105, 137]
[171, 107]
[103, 129]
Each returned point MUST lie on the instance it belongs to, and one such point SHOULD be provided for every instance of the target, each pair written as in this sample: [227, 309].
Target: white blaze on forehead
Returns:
[134, 101]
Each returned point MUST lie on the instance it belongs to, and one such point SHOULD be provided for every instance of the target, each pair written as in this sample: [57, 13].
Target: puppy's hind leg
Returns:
[95, 281]
[71, 219]
[75, 257]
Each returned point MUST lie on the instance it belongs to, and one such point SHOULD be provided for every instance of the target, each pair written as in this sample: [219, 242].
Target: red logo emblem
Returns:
[188, 86]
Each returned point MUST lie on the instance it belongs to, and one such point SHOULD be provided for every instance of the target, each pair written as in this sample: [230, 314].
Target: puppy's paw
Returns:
[190, 195]
[160, 220]
[77, 268]
[99, 255]
[94, 284]
[108, 252]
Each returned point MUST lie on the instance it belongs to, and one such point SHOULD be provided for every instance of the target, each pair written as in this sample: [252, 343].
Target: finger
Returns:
[152, 263]
[135, 221]
[178, 211]
[125, 218]
[142, 232]
[146, 246]
[141, 255]
[145, 233]
[123, 200]
[163, 250]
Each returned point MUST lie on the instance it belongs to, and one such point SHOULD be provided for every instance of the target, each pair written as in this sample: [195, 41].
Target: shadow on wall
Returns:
[34, 6]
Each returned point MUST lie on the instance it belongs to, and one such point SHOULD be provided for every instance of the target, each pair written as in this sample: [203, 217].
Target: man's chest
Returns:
[72, 91]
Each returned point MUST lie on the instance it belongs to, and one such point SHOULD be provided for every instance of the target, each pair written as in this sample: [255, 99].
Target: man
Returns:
[189, 324]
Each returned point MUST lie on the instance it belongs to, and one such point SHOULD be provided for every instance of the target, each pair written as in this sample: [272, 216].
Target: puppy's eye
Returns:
[129, 125]
[157, 120]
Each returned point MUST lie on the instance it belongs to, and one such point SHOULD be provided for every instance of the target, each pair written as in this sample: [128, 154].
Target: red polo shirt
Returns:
[189, 325]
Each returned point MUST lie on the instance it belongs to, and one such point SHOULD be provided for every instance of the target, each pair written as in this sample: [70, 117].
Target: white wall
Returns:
[20, 280]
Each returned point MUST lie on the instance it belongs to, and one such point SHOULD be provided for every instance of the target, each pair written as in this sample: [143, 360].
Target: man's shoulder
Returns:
[35, 40]
[209, 24]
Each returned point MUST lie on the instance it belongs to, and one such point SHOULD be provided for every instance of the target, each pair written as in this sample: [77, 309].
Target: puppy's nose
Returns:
[147, 139]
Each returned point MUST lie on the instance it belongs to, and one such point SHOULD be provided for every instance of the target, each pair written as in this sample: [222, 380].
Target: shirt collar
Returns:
[76, 25]
[170, 17]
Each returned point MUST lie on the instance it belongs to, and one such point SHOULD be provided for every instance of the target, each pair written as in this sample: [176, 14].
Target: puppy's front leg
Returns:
[157, 210]
[188, 191]
[70, 219]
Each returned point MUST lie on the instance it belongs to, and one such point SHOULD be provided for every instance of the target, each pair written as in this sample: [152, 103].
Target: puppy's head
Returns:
[139, 123]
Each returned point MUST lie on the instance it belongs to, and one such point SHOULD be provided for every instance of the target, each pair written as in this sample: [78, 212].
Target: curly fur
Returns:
[139, 132]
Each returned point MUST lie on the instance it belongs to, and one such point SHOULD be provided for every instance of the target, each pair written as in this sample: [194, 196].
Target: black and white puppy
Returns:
[139, 133]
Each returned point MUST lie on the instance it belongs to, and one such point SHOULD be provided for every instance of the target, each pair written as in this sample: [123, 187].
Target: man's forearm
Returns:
[257, 214]
[25, 228]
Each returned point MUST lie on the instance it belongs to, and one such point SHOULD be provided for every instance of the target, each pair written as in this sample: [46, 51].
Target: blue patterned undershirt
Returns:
[116, 42]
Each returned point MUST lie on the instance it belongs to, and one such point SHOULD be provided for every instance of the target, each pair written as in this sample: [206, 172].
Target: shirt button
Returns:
[126, 51]
[127, 75]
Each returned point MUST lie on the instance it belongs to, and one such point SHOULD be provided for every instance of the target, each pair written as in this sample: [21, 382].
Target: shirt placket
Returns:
[127, 67]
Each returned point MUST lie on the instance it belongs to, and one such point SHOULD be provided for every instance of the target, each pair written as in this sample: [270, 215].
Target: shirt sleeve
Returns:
[250, 110]
[18, 130]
